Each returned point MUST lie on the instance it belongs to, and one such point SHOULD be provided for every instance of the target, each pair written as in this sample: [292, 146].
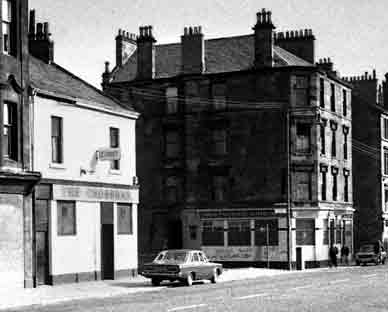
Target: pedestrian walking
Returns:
[345, 254]
[333, 251]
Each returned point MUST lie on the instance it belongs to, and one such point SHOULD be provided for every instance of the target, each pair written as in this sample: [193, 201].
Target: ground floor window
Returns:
[239, 233]
[66, 218]
[266, 228]
[213, 233]
[338, 232]
[325, 229]
[124, 219]
[305, 231]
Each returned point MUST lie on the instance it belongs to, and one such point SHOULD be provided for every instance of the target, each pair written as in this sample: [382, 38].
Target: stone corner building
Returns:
[212, 144]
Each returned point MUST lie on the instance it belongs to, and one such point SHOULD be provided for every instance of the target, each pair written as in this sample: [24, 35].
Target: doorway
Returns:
[107, 241]
[41, 242]
[175, 234]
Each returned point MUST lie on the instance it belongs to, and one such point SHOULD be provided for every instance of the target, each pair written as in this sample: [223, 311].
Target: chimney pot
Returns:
[46, 30]
[39, 31]
[107, 67]
[32, 23]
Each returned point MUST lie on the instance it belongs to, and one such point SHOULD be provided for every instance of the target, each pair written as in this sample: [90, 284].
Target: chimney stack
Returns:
[125, 47]
[193, 50]
[264, 39]
[145, 53]
[39, 44]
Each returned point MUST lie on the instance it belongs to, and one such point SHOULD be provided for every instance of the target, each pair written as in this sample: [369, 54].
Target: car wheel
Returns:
[189, 279]
[155, 281]
[214, 278]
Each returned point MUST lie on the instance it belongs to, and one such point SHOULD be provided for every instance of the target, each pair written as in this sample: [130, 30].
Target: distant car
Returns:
[371, 253]
[181, 265]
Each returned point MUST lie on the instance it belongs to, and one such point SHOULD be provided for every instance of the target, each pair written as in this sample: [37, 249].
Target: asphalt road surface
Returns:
[336, 289]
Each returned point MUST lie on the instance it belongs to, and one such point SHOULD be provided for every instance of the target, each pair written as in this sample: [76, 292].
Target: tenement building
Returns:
[83, 142]
[244, 144]
[370, 158]
[16, 179]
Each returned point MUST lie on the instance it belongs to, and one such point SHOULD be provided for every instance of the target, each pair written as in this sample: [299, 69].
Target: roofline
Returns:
[85, 104]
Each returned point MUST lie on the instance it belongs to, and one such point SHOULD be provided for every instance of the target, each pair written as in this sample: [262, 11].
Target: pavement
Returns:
[45, 295]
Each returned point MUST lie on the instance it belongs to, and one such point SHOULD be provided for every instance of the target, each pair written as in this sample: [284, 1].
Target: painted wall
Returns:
[11, 242]
[84, 132]
[81, 252]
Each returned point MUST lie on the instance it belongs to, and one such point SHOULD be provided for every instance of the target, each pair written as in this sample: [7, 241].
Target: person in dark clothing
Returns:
[333, 251]
[345, 254]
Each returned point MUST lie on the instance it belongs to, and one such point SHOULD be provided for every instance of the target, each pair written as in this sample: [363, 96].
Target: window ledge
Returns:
[57, 166]
[114, 172]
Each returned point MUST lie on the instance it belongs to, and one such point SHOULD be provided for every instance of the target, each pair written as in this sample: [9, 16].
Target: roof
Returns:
[56, 80]
[221, 55]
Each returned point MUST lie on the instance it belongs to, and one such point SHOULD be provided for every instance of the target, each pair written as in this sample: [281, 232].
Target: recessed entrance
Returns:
[107, 241]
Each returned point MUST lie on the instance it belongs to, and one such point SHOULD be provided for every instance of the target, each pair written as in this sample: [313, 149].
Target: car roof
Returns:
[182, 250]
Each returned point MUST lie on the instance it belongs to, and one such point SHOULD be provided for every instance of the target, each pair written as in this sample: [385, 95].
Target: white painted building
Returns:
[86, 204]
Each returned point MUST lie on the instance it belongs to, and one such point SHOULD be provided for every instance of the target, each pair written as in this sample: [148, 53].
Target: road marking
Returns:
[187, 307]
[301, 287]
[339, 281]
[250, 296]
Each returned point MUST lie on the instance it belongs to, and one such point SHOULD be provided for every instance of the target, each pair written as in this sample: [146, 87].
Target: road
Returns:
[336, 289]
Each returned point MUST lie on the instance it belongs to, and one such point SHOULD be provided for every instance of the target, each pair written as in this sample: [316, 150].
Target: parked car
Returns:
[181, 265]
[374, 253]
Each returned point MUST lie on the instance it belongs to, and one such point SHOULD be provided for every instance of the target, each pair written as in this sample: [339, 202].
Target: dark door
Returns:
[299, 258]
[332, 229]
[175, 234]
[107, 241]
[41, 242]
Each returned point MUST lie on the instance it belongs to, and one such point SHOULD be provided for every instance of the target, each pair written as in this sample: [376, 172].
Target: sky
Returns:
[353, 33]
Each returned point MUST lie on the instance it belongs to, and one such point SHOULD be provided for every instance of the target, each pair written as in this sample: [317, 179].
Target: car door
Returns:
[206, 267]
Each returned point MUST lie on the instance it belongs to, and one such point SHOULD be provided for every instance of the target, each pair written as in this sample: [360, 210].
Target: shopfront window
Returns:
[305, 232]
[124, 219]
[66, 212]
[266, 228]
[213, 233]
[239, 233]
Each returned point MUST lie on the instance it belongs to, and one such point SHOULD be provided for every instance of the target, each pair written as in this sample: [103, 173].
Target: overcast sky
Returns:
[353, 33]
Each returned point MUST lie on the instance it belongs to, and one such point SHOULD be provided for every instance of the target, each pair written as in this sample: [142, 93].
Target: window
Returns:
[114, 134]
[194, 257]
[385, 161]
[302, 191]
[334, 172]
[322, 92]
[325, 229]
[345, 130]
[301, 90]
[333, 143]
[7, 19]
[344, 102]
[385, 128]
[173, 145]
[124, 219]
[219, 98]
[219, 141]
[323, 185]
[56, 140]
[66, 218]
[303, 140]
[346, 188]
[261, 227]
[239, 233]
[386, 199]
[213, 233]
[323, 137]
[10, 131]
[219, 188]
[332, 97]
[305, 232]
[173, 189]
[172, 100]
[338, 232]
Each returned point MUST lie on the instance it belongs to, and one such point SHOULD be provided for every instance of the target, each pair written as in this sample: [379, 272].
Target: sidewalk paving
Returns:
[44, 295]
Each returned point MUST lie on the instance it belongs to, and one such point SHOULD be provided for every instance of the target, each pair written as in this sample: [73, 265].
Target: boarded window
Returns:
[266, 228]
[66, 218]
[213, 233]
[305, 232]
[172, 100]
[239, 233]
[303, 137]
[302, 190]
[124, 219]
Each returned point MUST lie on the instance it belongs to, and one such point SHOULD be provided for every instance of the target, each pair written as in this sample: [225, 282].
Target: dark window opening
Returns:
[56, 140]
[322, 92]
[344, 102]
[323, 186]
[332, 97]
[305, 232]
[239, 233]
[114, 135]
[266, 228]
[346, 189]
[333, 144]
[335, 187]
[213, 233]
[323, 139]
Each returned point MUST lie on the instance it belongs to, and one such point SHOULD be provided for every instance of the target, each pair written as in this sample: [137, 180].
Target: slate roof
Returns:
[221, 55]
[56, 80]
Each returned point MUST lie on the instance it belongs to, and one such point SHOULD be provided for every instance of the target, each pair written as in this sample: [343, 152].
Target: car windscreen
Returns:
[367, 248]
[172, 256]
